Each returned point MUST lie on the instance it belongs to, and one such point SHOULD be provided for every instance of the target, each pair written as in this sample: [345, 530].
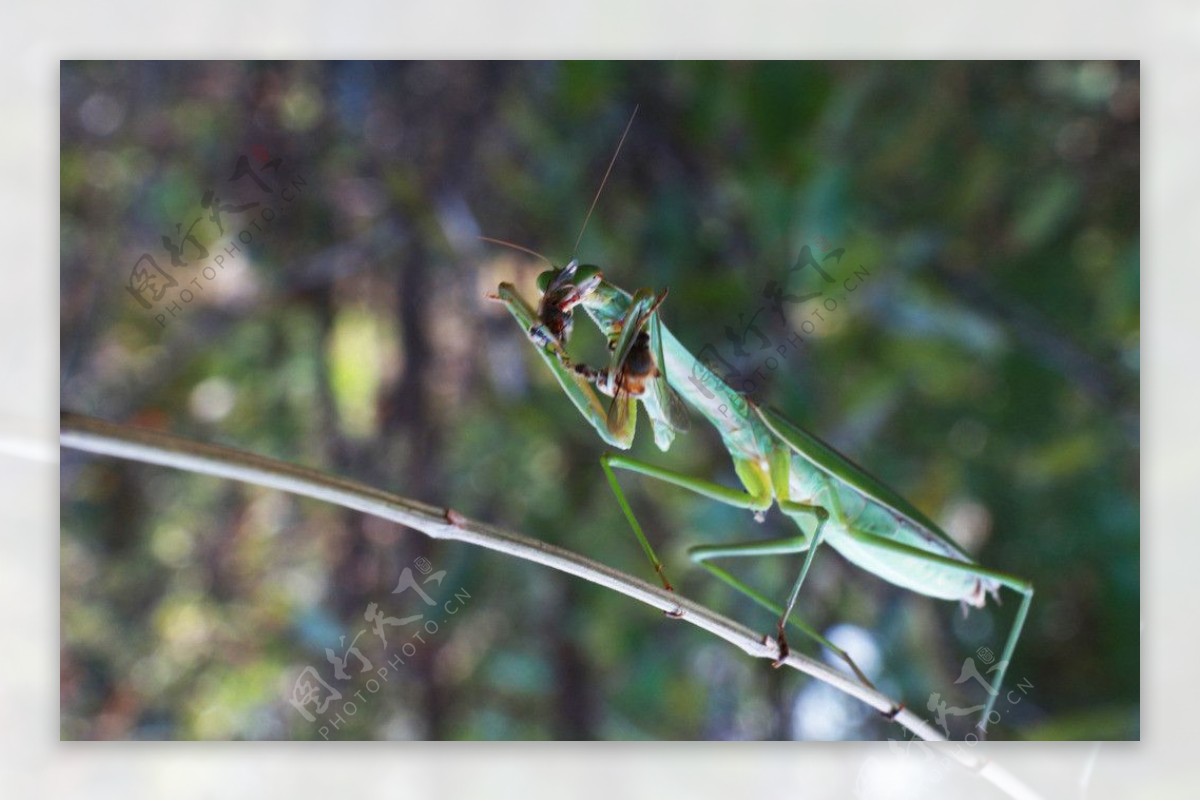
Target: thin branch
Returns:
[153, 447]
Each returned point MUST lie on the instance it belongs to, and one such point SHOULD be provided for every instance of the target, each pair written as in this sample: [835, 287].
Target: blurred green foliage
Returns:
[985, 364]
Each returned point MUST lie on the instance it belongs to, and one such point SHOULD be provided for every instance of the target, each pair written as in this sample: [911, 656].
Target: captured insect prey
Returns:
[635, 375]
[555, 308]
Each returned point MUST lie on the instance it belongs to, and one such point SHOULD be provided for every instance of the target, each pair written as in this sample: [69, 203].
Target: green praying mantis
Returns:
[831, 500]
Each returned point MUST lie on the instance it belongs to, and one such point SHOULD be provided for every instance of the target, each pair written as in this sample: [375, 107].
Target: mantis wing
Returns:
[825, 458]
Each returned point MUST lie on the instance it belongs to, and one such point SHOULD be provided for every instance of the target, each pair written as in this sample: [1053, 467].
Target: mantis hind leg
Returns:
[1012, 582]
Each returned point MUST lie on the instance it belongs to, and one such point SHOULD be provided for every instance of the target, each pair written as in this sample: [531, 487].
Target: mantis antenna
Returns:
[603, 181]
[596, 199]
[515, 246]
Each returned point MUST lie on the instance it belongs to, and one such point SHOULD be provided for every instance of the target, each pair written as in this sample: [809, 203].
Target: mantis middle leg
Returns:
[759, 500]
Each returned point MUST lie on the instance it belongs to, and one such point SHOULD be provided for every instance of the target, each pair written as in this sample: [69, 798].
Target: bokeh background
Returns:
[986, 365]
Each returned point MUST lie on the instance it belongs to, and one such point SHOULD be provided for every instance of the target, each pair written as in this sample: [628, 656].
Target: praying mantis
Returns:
[832, 501]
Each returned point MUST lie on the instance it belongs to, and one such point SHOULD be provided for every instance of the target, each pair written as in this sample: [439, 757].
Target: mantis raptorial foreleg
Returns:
[739, 499]
[574, 385]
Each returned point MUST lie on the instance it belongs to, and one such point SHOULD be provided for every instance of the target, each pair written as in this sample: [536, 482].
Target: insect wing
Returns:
[635, 319]
[564, 277]
[621, 407]
[554, 290]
